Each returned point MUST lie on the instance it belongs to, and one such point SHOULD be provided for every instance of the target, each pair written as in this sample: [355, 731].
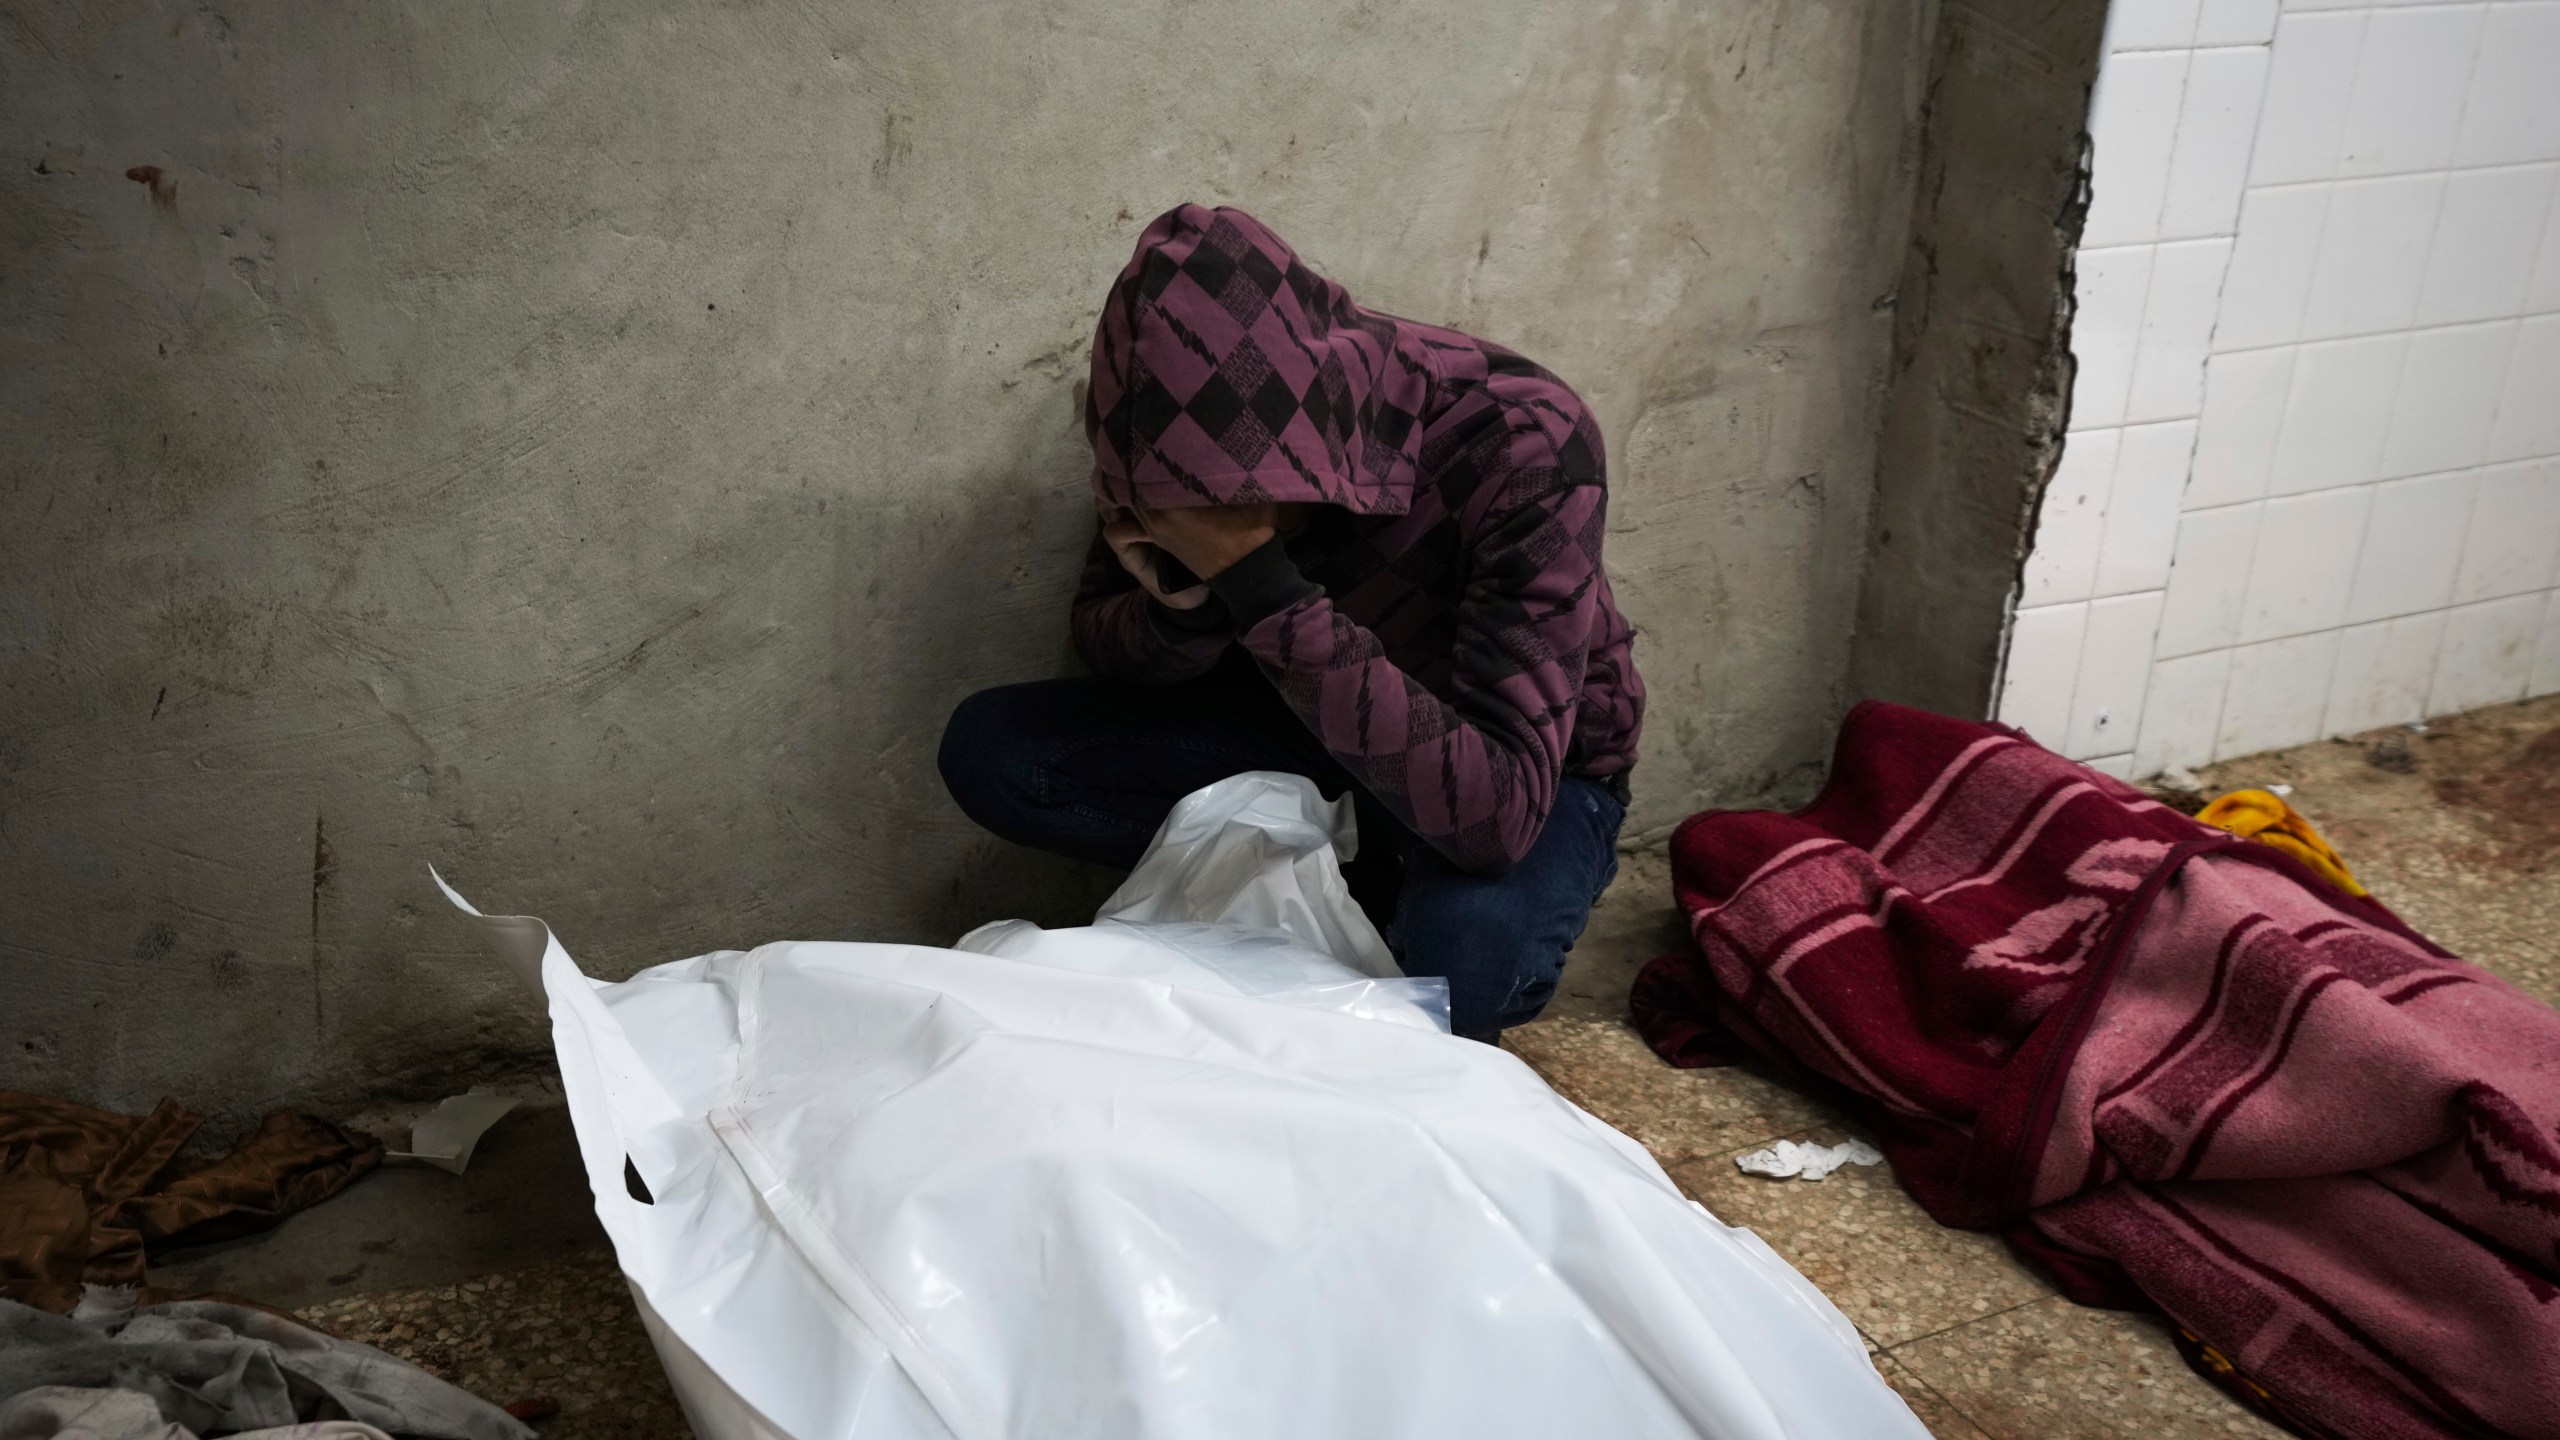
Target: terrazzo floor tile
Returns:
[2053, 1370]
[1868, 1245]
[566, 1330]
[2456, 827]
[1604, 1067]
[1584, 1047]
[1944, 1420]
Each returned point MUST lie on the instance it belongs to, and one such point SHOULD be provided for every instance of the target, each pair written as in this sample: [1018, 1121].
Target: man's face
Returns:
[1170, 550]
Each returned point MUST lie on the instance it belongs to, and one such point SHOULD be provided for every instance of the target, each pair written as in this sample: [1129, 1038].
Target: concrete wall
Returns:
[1982, 360]
[591, 448]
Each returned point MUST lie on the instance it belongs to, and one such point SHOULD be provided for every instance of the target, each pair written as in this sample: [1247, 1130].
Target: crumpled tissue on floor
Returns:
[1790, 1160]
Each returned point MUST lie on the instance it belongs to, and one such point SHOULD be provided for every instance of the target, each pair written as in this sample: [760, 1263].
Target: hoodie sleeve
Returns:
[1474, 775]
[1123, 634]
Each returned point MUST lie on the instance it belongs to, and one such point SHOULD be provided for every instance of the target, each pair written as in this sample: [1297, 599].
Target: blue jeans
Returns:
[1088, 768]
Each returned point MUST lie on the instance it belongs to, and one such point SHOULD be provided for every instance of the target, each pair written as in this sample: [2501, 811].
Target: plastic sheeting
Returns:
[1205, 1168]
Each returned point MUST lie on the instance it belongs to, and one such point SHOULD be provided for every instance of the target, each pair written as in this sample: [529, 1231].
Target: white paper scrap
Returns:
[1787, 1159]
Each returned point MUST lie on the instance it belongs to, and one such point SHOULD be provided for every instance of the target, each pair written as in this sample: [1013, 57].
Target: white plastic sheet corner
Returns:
[445, 1136]
[1207, 1168]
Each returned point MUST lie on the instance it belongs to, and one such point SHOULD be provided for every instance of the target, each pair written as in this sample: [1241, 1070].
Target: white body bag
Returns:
[1207, 1169]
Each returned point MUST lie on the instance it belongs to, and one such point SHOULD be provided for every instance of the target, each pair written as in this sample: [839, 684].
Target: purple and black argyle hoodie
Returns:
[1445, 626]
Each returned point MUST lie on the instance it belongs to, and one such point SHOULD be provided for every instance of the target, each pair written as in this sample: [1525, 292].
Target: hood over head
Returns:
[1225, 372]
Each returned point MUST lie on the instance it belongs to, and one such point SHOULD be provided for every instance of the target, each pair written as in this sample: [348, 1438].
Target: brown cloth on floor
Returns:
[84, 1193]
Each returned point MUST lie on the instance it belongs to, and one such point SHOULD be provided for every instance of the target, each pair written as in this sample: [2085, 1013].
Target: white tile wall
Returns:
[2210, 159]
[2509, 116]
[2303, 571]
[2410, 78]
[2485, 240]
[2278, 694]
[2177, 325]
[2181, 712]
[2546, 656]
[2106, 701]
[2383, 672]
[2487, 657]
[2373, 255]
[2112, 285]
[2270, 267]
[2212, 575]
[2134, 115]
[2073, 523]
[2236, 22]
[2513, 545]
[2448, 398]
[2043, 663]
[2244, 400]
[2338, 414]
[2142, 507]
[2529, 411]
[2412, 547]
[2310, 79]
[2542, 293]
[2151, 25]
[2312, 479]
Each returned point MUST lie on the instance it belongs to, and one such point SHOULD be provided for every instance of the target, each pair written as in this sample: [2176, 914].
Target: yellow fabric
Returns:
[2264, 817]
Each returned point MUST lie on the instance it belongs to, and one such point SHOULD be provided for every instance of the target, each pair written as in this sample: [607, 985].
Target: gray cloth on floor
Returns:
[216, 1369]
[57, 1412]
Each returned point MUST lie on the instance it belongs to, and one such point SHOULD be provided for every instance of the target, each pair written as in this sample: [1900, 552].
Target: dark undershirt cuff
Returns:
[1262, 584]
[1206, 619]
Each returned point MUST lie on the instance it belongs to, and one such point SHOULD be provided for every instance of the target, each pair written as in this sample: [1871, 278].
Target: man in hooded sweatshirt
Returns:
[1349, 546]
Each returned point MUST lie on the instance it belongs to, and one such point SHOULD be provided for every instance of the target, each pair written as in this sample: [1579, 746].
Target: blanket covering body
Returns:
[2175, 1067]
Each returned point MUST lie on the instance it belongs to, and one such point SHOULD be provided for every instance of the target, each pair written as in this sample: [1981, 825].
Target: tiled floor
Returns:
[1978, 1343]
[564, 1330]
[2465, 841]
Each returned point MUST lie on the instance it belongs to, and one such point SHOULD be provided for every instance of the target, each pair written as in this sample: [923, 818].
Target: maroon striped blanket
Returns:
[2175, 1067]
